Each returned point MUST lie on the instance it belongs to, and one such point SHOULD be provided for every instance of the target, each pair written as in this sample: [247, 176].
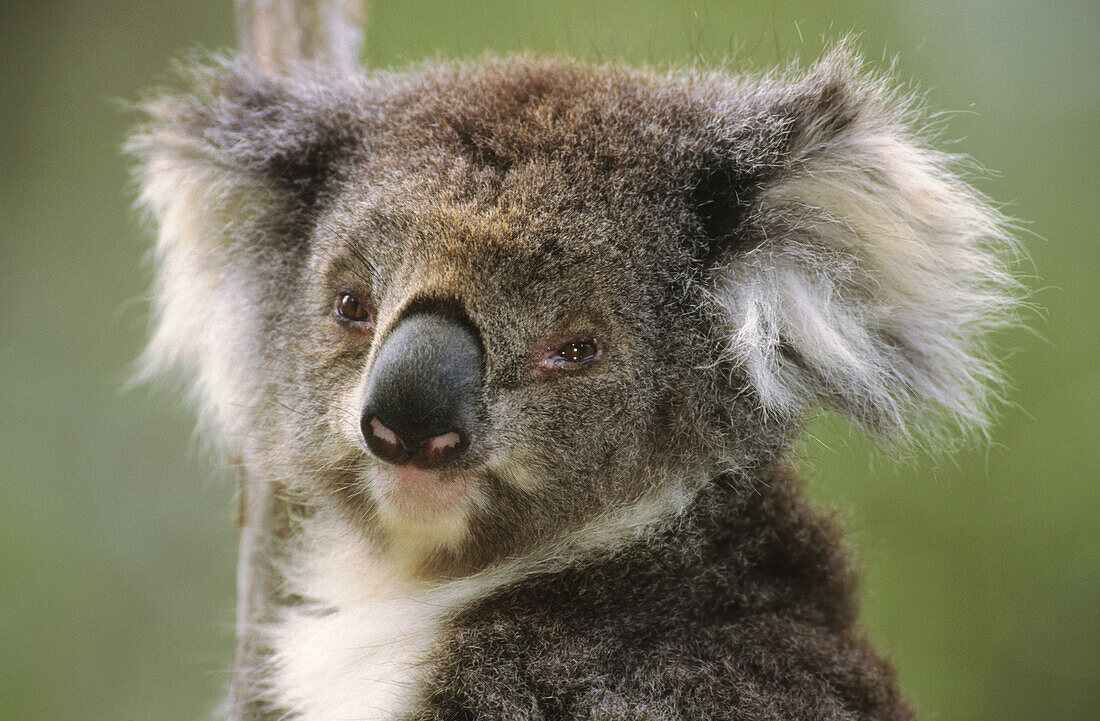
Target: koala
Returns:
[528, 342]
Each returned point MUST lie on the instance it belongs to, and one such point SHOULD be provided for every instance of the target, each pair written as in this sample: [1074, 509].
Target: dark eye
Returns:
[578, 351]
[351, 309]
[568, 354]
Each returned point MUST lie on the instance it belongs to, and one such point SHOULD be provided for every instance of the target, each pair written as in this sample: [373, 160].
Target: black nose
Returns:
[423, 393]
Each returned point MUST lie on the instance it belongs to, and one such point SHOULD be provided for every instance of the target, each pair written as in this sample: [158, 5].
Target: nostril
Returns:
[383, 433]
[440, 450]
[444, 442]
[383, 442]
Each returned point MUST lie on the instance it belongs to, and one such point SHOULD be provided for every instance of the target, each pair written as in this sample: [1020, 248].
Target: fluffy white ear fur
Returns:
[222, 170]
[199, 290]
[877, 272]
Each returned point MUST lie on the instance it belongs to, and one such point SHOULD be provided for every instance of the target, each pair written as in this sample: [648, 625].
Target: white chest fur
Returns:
[359, 662]
[356, 649]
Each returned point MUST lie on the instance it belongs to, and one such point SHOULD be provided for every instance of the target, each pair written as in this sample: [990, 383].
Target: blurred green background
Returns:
[116, 546]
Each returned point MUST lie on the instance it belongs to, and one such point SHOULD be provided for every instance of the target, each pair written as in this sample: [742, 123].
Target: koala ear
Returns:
[863, 272]
[243, 143]
[231, 174]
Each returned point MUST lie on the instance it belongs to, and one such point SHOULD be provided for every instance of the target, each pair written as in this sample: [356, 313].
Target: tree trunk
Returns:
[277, 34]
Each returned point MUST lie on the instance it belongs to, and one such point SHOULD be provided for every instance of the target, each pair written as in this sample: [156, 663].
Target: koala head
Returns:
[475, 309]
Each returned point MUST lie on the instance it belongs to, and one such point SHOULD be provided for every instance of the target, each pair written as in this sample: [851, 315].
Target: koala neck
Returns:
[744, 547]
[411, 558]
[670, 502]
[343, 562]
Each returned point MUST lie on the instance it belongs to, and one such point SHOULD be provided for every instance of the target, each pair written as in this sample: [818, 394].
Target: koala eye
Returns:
[350, 309]
[578, 351]
[574, 354]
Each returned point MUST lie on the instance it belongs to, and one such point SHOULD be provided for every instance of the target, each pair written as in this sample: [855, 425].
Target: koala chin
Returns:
[528, 342]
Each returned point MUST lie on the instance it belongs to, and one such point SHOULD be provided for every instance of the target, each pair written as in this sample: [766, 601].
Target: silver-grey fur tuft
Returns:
[878, 274]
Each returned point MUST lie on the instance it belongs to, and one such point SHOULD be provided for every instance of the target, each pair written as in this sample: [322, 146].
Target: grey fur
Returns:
[745, 249]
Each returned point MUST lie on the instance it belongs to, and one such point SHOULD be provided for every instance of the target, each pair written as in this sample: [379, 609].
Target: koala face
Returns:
[478, 309]
[488, 374]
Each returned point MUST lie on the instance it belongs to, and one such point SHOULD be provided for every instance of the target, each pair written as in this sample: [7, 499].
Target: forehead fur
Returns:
[574, 138]
[505, 114]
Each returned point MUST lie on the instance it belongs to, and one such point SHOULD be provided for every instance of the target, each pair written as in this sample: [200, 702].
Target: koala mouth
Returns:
[418, 494]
